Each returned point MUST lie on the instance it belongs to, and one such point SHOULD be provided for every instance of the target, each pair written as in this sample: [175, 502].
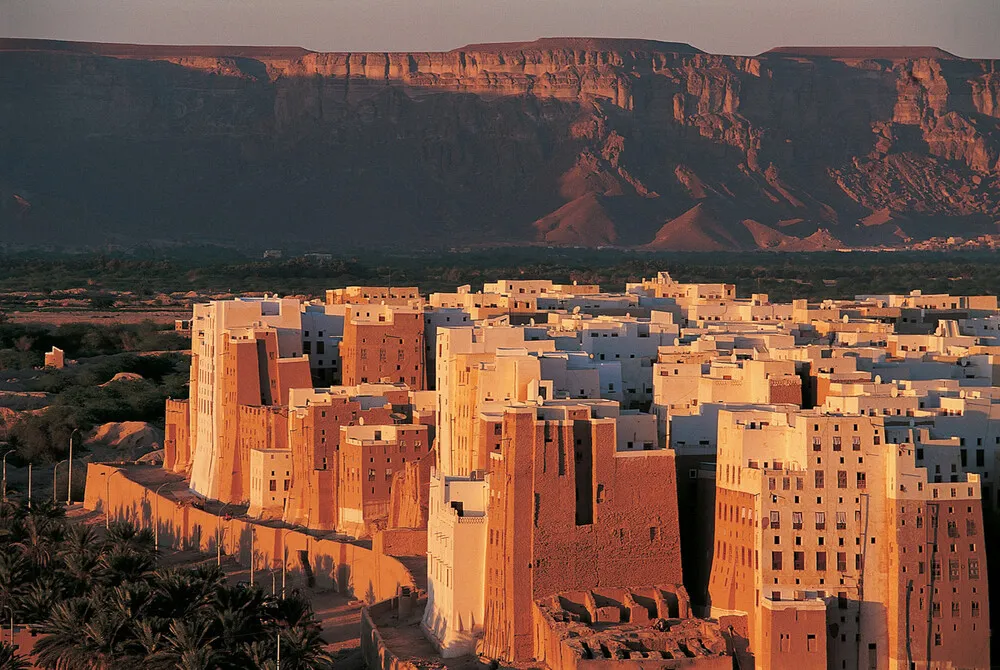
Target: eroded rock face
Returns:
[566, 141]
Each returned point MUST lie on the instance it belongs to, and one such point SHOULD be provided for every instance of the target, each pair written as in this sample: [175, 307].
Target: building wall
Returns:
[622, 533]
[939, 606]
[270, 478]
[384, 342]
[210, 328]
[456, 546]
[370, 456]
[176, 436]
[793, 635]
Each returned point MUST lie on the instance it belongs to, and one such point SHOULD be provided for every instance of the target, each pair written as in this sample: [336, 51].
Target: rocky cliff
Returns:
[561, 141]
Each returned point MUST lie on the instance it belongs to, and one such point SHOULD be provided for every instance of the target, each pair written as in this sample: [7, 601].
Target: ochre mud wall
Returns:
[346, 567]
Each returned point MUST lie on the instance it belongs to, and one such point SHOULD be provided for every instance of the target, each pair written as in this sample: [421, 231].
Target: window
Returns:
[973, 568]
[862, 480]
[836, 443]
[820, 520]
[970, 527]
[273, 485]
[821, 560]
[819, 479]
[810, 642]
[975, 608]
[775, 519]
[796, 520]
[952, 529]
[776, 560]
[842, 561]
[956, 610]
[817, 443]
[856, 443]
[841, 520]
[980, 458]
[799, 560]
[936, 610]
[371, 474]
[936, 569]
[842, 479]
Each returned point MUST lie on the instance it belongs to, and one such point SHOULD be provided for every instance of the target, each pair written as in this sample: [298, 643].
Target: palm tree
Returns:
[189, 646]
[10, 660]
[79, 539]
[119, 566]
[40, 597]
[241, 613]
[15, 572]
[123, 535]
[177, 595]
[45, 508]
[302, 648]
[79, 570]
[295, 610]
[36, 544]
[60, 648]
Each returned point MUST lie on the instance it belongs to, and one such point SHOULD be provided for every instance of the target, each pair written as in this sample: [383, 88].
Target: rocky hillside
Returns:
[572, 141]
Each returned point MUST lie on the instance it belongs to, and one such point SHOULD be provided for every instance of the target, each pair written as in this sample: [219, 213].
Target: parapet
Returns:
[647, 627]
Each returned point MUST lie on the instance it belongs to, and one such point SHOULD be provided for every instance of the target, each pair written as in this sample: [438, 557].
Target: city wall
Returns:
[379, 655]
[348, 568]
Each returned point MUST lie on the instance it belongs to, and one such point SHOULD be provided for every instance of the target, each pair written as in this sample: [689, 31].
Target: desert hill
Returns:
[571, 141]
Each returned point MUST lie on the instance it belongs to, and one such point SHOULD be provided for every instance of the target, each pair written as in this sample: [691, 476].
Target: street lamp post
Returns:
[284, 560]
[107, 499]
[253, 556]
[156, 516]
[218, 536]
[69, 479]
[5, 455]
[55, 480]
[11, 610]
[29, 485]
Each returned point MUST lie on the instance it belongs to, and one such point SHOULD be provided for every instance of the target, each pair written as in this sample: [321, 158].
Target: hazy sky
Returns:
[968, 28]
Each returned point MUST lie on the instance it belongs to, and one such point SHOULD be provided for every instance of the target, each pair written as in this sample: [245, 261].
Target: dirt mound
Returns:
[123, 377]
[701, 228]
[8, 418]
[581, 222]
[127, 440]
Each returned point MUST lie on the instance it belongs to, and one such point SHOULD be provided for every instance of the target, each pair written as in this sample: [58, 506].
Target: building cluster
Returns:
[833, 462]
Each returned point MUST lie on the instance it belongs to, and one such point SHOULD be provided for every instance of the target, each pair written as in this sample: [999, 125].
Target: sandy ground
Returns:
[90, 316]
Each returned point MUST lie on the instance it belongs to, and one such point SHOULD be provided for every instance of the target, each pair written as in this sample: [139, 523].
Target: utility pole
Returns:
[277, 667]
[29, 485]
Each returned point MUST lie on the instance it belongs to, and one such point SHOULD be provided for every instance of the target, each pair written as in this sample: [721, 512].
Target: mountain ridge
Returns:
[576, 141]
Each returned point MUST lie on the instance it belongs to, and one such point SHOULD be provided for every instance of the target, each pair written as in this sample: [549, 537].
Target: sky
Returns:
[968, 28]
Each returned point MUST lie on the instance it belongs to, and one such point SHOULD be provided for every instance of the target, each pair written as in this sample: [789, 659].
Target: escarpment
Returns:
[576, 141]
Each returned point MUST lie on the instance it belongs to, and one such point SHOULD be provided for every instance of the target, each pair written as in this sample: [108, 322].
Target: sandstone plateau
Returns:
[568, 141]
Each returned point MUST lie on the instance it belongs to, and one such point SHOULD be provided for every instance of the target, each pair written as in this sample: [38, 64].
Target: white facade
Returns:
[456, 565]
[209, 327]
